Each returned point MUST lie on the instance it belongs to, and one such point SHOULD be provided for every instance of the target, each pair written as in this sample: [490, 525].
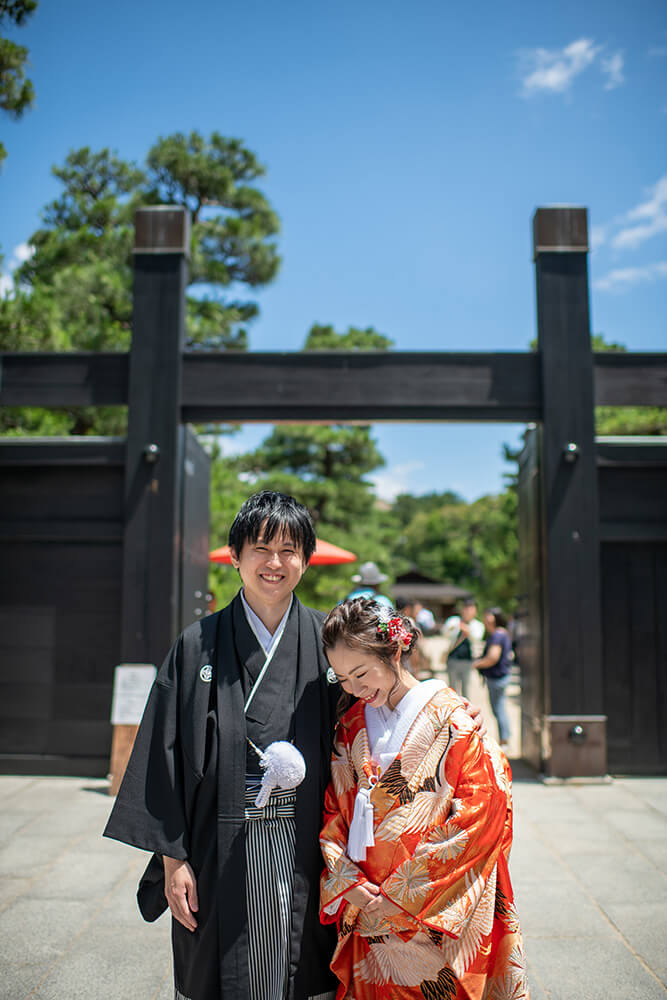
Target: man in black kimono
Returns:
[242, 883]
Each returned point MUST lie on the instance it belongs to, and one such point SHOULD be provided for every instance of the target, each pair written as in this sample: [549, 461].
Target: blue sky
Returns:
[406, 146]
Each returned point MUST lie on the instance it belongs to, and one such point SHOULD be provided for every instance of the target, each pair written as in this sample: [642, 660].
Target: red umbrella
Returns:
[325, 554]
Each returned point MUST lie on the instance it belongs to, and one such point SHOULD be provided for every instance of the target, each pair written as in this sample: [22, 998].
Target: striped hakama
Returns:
[270, 849]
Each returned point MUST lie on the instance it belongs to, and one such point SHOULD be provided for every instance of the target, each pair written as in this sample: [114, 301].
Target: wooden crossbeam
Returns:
[56, 380]
[624, 379]
[356, 386]
[332, 386]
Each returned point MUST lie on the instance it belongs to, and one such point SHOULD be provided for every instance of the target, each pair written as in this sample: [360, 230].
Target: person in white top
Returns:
[464, 635]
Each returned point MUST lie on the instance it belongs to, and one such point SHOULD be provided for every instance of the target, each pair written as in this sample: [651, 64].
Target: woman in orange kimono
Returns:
[417, 830]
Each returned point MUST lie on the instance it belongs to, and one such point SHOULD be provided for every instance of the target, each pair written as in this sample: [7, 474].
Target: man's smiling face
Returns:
[270, 570]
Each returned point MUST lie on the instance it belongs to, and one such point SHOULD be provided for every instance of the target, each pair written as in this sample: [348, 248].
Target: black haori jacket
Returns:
[183, 796]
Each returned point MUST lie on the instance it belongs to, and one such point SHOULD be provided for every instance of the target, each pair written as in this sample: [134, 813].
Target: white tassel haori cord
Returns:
[283, 766]
[361, 833]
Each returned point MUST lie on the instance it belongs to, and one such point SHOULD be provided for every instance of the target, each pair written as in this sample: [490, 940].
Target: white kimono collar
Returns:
[387, 730]
[265, 638]
[386, 733]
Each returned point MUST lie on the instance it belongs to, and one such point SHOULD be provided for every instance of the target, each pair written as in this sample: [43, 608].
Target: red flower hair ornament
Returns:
[392, 628]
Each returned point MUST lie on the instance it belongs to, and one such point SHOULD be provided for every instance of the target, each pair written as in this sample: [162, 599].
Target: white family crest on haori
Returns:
[283, 766]
[206, 673]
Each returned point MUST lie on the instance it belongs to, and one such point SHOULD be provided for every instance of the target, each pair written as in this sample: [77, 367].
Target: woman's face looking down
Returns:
[367, 677]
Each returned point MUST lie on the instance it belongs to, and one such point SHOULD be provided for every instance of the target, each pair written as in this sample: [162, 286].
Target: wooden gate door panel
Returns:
[634, 611]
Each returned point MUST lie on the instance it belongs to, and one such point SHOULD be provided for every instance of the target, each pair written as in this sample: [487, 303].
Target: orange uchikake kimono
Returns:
[442, 823]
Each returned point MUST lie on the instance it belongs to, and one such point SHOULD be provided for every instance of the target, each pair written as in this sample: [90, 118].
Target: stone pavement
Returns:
[589, 867]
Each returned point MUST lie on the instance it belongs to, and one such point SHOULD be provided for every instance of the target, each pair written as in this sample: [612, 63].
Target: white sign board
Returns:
[131, 685]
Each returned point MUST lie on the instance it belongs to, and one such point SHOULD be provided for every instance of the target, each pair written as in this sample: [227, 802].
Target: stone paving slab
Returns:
[591, 894]
[41, 929]
[653, 791]
[654, 850]
[643, 926]
[112, 961]
[32, 857]
[588, 969]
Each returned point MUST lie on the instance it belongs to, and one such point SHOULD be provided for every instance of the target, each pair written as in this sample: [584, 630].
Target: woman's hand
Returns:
[362, 895]
[180, 888]
[475, 713]
[381, 907]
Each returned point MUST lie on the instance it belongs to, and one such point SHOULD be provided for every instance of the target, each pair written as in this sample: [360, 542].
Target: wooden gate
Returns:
[61, 552]
[555, 387]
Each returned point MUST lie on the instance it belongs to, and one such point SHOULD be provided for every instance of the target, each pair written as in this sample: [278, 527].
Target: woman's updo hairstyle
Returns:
[362, 623]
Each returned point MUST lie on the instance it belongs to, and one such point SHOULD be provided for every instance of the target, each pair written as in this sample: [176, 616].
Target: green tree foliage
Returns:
[638, 420]
[325, 338]
[473, 545]
[80, 273]
[16, 91]
[75, 291]
[406, 506]
[233, 226]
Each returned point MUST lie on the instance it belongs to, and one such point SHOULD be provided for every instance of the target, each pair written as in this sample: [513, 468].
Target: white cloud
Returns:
[21, 254]
[647, 219]
[18, 256]
[552, 71]
[396, 479]
[613, 69]
[621, 279]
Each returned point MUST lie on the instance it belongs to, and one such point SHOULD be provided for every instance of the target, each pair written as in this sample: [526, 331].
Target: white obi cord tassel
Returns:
[361, 833]
[283, 766]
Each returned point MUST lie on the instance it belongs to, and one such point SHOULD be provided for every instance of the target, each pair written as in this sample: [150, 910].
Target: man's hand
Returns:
[362, 895]
[475, 713]
[180, 888]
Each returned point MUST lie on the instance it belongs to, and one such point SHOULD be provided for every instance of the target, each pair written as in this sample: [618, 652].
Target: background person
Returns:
[368, 580]
[495, 666]
[417, 829]
[425, 618]
[464, 634]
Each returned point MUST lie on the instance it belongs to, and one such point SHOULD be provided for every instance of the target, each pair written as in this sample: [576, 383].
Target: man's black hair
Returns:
[279, 514]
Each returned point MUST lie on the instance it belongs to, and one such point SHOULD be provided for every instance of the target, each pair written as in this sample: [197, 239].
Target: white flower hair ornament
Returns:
[283, 766]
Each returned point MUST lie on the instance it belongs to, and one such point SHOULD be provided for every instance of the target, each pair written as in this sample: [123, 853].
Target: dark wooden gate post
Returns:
[150, 612]
[574, 738]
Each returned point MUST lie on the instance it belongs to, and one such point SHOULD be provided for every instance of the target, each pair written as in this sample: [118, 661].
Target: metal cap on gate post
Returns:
[162, 229]
[560, 229]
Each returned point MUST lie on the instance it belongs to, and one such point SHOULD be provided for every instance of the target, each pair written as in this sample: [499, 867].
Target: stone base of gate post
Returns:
[574, 746]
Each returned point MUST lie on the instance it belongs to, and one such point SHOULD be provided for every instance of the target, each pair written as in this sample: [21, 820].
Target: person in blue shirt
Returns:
[368, 579]
[495, 666]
